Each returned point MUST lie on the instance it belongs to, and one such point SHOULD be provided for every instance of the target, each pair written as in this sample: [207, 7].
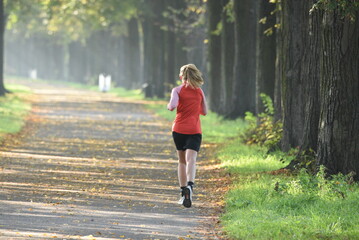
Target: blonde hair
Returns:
[192, 75]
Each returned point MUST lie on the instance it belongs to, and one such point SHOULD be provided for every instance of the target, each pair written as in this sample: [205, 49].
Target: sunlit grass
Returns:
[239, 158]
[13, 109]
[255, 210]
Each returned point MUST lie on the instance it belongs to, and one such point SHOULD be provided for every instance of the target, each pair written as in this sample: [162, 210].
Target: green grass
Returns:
[13, 109]
[305, 209]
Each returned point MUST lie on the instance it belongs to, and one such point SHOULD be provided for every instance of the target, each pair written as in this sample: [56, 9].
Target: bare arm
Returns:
[204, 109]
[174, 100]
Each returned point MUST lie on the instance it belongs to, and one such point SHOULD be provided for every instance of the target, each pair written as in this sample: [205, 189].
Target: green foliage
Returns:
[317, 185]
[13, 109]
[71, 19]
[188, 18]
[305, 159]
[218, 30]
[261, 205]
[229, 11]
[346, 8]
[263, 130]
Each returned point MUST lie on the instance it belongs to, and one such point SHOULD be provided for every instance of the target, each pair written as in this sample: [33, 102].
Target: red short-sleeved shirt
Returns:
[189, 103]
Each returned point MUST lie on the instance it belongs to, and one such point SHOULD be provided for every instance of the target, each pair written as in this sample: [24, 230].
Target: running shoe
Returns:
[181, 200]
[187, 194]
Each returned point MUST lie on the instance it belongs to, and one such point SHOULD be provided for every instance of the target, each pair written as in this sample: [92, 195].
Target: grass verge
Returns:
[261, 205]
[13, 109]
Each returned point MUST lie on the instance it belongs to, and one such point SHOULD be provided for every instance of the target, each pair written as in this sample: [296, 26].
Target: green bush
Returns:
[263, 130]
[338, 186]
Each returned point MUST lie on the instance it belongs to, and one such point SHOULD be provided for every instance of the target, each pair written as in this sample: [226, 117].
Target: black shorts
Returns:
[187, 141]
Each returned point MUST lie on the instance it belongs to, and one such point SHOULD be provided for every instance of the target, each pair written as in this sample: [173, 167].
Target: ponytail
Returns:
[192, 75]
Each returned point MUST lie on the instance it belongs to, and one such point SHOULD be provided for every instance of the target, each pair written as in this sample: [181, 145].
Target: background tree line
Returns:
[303, 54]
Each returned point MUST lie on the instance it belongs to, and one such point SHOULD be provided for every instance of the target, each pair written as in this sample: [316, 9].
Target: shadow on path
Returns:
[93, 167]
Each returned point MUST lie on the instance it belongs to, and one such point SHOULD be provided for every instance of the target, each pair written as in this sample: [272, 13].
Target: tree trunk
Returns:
[148, 40]
[126, 63]
[169, 51]
[2, 36]
[180, 42]
[244, 75]
[227, 62]
[66, 64]
[266, 54]
[158, 63]
[294, 27]
[310, 74]
[278, 65]
[158, 53]
[338, 143]
[214, 8]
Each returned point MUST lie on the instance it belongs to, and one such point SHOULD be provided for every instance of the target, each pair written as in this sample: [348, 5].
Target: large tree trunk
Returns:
[159, 52]
[294, 27]
[244, 75]
[153, 50]
[338, 143]
[310, 74]
[214, 8]
[266, 54]
[227, 62]
[169, 70]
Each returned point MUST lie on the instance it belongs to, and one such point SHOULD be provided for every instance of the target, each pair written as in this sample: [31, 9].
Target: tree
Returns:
[169, 47]
[294, 22]
[227, 57]
[186, 29]
[149, 49]
[310, 84]
[338, 140]
[2, 33]
[266, 52]
[214, 10]
[243, 95]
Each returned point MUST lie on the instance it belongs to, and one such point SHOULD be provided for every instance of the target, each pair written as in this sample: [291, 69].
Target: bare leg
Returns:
[191, 157]
[182, 178]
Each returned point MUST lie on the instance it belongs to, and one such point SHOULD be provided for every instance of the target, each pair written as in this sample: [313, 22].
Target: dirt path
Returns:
[93, 167]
